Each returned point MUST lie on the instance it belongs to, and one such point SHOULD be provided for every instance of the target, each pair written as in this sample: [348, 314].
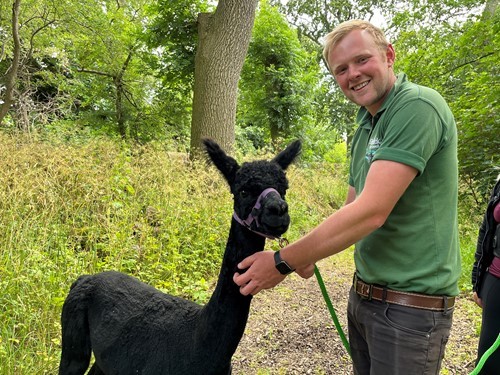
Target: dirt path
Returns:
[290, 330]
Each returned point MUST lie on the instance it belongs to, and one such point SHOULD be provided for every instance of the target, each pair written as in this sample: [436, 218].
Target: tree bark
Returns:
[489, 9]
[10, 81]
[120, 90]
[223, 39]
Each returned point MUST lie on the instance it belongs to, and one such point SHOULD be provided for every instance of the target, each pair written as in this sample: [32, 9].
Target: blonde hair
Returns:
[339, 32]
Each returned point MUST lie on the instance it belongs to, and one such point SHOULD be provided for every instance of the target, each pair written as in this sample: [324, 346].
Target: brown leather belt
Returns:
[419, 301]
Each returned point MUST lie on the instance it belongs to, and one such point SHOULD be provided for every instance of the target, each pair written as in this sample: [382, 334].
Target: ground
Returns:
[290, 330]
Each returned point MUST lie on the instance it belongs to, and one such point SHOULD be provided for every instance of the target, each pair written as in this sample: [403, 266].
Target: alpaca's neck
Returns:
[241, 243]
[227, 311]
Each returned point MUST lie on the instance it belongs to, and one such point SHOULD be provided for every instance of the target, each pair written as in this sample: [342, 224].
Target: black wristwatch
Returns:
[281, 265]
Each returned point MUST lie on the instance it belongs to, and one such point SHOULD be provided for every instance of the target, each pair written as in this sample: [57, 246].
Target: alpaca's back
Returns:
[133, 326]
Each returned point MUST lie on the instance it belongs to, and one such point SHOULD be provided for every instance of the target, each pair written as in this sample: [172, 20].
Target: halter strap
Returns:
[251, 218]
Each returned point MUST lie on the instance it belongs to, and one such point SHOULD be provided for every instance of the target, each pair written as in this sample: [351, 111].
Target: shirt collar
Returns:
[364, 118]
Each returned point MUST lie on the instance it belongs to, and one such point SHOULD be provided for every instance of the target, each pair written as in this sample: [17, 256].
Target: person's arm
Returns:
[385, 184]
[475, 267]
[478, 255]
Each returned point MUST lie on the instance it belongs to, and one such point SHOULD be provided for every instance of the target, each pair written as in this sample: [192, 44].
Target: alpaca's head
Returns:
[249, 180]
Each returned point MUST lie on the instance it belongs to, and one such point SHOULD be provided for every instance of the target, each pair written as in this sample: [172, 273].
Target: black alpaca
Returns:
[132, 328]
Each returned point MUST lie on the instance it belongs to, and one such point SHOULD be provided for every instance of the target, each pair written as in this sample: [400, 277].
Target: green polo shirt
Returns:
[417, 249]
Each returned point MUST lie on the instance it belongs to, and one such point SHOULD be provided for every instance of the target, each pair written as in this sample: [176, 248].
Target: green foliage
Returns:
[460, 61]
[316, 18]
[416, 14]
[476, 105]
[173, 30]
[282, 94]
[108, 52]
[88, 62]
[73, 53]
[172, 38]
[278, 79]
[332, 114]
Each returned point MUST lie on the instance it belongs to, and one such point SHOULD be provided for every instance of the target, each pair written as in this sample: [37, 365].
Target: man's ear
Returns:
[390, 55]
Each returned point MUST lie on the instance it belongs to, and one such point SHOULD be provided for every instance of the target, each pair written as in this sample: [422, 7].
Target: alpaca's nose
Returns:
[278, 207]
[274, 218]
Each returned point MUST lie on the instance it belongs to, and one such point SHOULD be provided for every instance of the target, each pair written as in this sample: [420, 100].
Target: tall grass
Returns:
[66, 210]
[69, 210]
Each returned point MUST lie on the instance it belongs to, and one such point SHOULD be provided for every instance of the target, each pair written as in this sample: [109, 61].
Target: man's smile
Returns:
[360, 86]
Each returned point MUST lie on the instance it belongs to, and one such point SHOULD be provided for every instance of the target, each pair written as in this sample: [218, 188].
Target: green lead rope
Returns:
[476, 371]
[486, 355]
[332, 310]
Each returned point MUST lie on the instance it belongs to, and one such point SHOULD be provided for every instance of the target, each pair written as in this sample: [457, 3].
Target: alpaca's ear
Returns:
[285, 157]
[224, 163]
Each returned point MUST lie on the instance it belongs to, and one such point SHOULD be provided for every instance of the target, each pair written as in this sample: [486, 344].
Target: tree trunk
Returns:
[223, 39]
[12, 72]
[489, 9]
[120, 91]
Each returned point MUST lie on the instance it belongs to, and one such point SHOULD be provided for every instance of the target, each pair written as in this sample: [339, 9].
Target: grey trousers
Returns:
[388, 339]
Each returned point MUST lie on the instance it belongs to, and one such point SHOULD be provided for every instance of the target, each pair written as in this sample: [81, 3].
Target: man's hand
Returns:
[261, 273]
[477, 300]
[305, 272]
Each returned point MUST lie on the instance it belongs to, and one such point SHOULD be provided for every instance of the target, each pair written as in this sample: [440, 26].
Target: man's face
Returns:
[362, 70]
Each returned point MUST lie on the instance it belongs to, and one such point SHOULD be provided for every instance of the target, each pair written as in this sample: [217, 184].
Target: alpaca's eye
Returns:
[243, 194]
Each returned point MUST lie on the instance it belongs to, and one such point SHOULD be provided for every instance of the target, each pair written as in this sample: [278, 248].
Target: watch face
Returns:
[283, 268]
[281, 265]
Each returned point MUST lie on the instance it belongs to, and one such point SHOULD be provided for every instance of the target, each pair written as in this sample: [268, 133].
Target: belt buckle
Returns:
[368, 290]
[365, 290]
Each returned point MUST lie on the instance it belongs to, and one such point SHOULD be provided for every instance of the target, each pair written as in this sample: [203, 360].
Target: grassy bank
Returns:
[66, 210]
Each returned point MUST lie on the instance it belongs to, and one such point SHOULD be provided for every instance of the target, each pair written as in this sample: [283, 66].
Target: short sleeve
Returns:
[412, 135]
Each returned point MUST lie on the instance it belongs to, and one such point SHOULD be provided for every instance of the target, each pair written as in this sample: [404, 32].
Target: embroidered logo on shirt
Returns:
[373, 146]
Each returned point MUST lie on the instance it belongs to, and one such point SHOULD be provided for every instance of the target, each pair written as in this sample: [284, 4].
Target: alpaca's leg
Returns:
[73, 363]
[76, 347]
[76, 350]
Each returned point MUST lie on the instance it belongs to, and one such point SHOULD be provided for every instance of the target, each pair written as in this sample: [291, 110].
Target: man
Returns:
[400, 212]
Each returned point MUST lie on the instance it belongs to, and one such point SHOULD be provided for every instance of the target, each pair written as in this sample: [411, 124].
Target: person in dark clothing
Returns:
[486, 281]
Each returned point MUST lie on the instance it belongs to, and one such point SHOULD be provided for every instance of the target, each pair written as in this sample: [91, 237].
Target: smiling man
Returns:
[362, 67]
[400, 213]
